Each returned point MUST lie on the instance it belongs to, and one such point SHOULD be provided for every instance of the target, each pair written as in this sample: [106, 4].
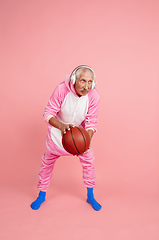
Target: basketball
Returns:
[76, 141]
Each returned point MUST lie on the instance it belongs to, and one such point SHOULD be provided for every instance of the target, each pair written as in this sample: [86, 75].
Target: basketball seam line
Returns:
[83, 138]
[74, 141]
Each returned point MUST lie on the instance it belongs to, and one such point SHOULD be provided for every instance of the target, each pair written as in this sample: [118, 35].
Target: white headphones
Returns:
[73, 75]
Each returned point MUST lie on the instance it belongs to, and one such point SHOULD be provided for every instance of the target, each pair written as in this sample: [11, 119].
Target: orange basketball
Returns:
[76, 140]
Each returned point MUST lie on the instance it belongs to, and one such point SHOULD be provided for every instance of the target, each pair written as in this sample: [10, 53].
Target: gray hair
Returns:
[82, 69]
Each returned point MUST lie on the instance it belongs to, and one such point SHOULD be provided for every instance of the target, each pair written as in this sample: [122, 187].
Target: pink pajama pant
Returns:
[52, 153]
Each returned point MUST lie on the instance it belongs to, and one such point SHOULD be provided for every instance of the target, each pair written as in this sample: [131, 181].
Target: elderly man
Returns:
[74, 102]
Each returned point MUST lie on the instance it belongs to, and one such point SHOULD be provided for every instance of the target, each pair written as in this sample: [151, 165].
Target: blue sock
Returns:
[40, 199]
[90, 199]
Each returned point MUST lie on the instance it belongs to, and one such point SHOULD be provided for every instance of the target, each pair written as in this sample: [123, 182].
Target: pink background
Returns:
[41, 42]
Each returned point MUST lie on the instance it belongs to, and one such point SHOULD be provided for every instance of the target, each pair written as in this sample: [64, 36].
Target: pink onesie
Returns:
[67, 107]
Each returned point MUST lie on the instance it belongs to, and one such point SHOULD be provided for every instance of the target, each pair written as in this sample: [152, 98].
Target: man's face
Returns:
[84, 83]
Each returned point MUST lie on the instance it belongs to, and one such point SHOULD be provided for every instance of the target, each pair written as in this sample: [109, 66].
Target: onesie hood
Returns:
[69, 85]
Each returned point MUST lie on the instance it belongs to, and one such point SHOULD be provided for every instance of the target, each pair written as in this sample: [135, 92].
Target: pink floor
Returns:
[66, 215]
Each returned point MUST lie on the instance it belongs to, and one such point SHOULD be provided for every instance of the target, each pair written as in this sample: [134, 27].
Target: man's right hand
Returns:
[61, 126]
[65, 127]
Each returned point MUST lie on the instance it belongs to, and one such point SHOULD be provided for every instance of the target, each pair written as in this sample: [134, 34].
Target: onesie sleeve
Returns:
[55, 101]
[90, 121]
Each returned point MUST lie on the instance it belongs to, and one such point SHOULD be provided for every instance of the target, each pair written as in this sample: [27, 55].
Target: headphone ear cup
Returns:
[93, 84]
[73, 79]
